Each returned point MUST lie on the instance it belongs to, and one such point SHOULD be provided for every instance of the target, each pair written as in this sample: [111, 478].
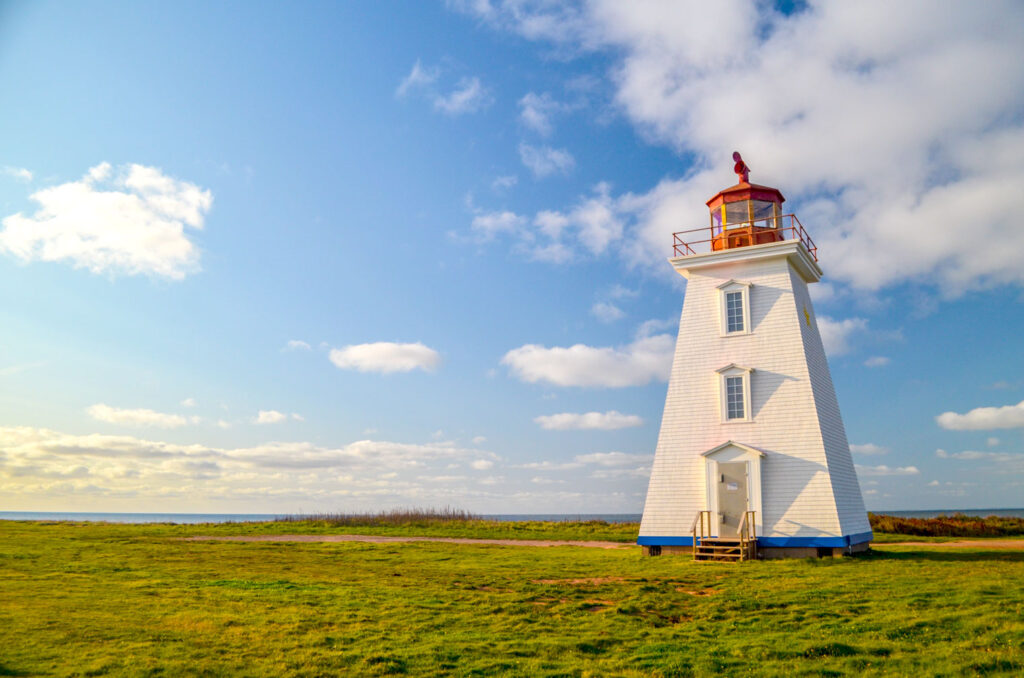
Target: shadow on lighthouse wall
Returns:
[763, 300]
[763, 387]
[785, 479]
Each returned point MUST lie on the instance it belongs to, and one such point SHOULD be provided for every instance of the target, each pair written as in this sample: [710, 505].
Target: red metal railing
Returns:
[743, 234]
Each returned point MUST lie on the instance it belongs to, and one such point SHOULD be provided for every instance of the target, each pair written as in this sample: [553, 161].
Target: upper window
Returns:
[734, 398]
[735, 391]
[734, 302]
[734, 312]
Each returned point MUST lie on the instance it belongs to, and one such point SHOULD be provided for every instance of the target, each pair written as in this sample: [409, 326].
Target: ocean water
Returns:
[190, 518]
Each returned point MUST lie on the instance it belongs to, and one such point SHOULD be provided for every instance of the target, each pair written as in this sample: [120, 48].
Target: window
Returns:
[734, 398]
[734, 386]
[733, 312]
[735, 307]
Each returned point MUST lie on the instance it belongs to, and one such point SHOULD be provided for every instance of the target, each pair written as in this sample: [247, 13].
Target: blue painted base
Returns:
[771, 542]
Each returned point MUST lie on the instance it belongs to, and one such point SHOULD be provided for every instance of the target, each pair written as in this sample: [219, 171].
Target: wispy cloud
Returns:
[544, 161]
[19, 173]
[836, 335]
[603, 421]
[418, 77]
[469, 96]
[884, 470]
[868, 449]
[537, 111]
[606, 312]
[386, 357]
[297, 345]
[876, 361]
[128, 221]
[275, 417]
[135, 417]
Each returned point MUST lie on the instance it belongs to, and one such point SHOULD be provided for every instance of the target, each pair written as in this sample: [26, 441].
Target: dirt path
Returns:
[380, 539]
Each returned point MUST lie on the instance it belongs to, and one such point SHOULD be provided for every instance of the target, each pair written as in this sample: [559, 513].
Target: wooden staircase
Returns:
[736, 549]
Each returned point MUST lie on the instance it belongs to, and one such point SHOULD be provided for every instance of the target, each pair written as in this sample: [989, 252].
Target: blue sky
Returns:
[271, 257]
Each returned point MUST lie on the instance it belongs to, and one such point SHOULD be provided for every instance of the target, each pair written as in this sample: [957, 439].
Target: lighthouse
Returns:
[752, 457]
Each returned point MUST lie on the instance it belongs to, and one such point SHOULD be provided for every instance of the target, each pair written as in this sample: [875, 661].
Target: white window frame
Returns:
[723, 308]
[724, 373]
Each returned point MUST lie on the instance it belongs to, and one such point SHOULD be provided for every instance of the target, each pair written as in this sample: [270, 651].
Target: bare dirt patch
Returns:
[701, 592]
[593, 581]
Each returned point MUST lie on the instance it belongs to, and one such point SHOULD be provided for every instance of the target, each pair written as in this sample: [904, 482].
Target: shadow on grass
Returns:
[948, 555]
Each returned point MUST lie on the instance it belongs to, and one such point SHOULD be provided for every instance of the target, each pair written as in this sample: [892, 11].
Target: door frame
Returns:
[732, 452]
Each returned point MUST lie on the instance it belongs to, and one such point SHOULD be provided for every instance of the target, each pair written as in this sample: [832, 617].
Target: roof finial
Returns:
[741, 169]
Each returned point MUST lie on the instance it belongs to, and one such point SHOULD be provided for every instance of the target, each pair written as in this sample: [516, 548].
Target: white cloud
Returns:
[591, 226]
[270, 417]
[992, 442]
[537, 110]
[551, 223]
[136, 417]
[44, 464]
[541, 480]
[479, 440]
[836, 335]
[613, 458]
[975, 455]
[482, 464]
[132, 221]
[386, 357]
[503, 182]
[984, 418]
[19, 173]
[884, 470]
[604, 421]
[418, 77]
[469, 96]
[297, 345]
[854, 120]
[544, 160]
[275, 417]
[606, 312]
[868, 449]
[490, 224]
[876, 361]
[619, 292]
[189, 402]
[647, 358]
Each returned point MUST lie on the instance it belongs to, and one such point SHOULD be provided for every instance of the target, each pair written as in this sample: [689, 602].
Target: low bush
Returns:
[956, 525]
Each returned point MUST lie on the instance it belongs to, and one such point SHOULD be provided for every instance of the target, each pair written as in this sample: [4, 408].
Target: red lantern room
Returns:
[743, 215]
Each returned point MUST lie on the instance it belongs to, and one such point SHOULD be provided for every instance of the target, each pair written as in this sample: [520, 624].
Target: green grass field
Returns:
[95, 599]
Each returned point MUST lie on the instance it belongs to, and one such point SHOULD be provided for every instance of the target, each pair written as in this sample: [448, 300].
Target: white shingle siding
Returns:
[808, 485]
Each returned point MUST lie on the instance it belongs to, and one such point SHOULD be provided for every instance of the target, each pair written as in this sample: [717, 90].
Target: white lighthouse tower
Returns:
[752, 457]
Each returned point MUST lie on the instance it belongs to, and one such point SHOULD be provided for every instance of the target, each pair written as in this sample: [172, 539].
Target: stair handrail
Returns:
[741, 530]
[699, 518]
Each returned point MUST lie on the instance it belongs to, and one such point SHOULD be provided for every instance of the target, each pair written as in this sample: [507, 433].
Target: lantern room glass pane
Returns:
[737, 212]
[762, 210]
